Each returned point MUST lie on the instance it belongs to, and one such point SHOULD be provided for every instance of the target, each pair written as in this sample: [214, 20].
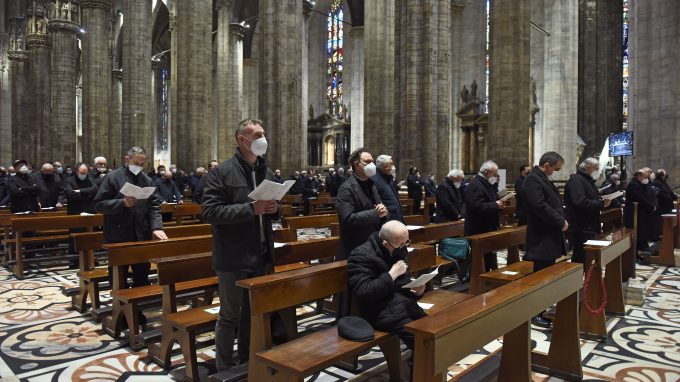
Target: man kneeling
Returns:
[377, 272]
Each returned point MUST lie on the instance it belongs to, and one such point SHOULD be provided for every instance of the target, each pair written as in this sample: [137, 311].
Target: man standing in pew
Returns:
[583, 205]
[23, 192]
[384, 183]
[546, 223]
[377, 272]
[126, 218]
[50, 187]
[450, 198]
[243, 244]
[483, 207]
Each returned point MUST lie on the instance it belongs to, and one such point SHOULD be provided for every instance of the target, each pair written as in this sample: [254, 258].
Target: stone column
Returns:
[654, 101]
[234, 91]
[280, 82]
[357, 57]
[63, 72]
[560, 92]
[5, 108]
[23, 134]
[426, 91]
[379, 77]
[41, 137]
[193, 58]
[96, 64]
[508, 135]
[226, 143]
[115, 147]
[599, 71]
[305, 80]
[250, 89]
[137, 129]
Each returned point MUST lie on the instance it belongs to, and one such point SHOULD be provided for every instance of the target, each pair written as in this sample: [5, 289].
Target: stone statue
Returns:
[12, 42]
[344, 111]
[69, 8]
[473, 90]
[329, 106]
[311, 111]
[39, 26]
[534, 100]
[464, 95]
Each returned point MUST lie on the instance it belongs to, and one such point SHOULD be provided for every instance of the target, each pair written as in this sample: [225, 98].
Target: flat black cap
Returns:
[355, 328]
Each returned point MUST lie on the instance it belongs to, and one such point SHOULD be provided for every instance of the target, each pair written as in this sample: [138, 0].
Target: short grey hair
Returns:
[200, 169]
[488, 166]
[590, 161]
[382, 160]
[341, 170]
[99, 159]
[136, 150]
[241, 128]
[391, 229]
[455, 173]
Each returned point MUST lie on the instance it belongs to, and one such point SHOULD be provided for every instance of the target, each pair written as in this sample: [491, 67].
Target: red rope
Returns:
[586, 285]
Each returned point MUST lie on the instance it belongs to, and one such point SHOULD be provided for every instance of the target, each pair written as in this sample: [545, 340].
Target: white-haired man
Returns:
[450, 198]
[384, 183]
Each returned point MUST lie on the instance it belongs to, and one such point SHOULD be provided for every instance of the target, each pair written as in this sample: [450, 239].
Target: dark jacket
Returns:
[237, 245]
[278, 179]
[382, 302]
[23, 193]
[545, 218]
[415, 189]
[450, 202]
[666, 197]
[582, 204]
[388, 195]
[123, 224]
[482, 211]
[338, 180]
[82, 201]
[640, 193]
[50, 189]
[167, 190]
[308, 187]
[610, 189]
[4, 194]
[298, 187]
[430, 188]
[197, 194]
[520, 212]
[356, 214]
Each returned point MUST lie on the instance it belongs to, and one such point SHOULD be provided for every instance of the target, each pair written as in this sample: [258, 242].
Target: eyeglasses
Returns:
[406, 244]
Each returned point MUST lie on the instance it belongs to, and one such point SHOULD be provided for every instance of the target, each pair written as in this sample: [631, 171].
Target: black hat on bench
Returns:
[355, 328]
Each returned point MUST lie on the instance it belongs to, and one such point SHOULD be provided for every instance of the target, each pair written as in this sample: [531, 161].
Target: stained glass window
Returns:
[163, 111]
[625, 64]
[487, 61]
[334, 45]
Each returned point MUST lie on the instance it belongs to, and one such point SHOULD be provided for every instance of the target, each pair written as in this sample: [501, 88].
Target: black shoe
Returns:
[540, 321]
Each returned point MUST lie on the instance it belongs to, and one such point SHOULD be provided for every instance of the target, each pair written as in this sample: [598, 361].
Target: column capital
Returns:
[307, 6]
[223, 3]
[356, 31]
[90, 4]
[17, 55]
[117, 73]
[237, 30]
[64, 25]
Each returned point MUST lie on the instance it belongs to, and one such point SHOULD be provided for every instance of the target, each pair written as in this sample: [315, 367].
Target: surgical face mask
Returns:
[134, 168]
[69, 172]
[645, 180]
[23, 169]
[259, 146]
[595, 174]
[617, 182]
[493, 180]
[457, 184]
[393, 171]
[82, 176]
[174, 170]
[162, 172]
[12, 174]
[369, 169]
[652, 176]
[60, 170]
[101, 169]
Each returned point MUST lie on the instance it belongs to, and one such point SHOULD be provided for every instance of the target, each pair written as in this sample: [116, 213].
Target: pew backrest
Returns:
[145, 251]
[57, 222]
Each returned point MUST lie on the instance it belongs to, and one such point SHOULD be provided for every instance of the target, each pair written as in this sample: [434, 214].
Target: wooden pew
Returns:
[593, 324]
[316, 203]
[669, 241]
[432, 233]
[611, 219]
[292, 204]
[7, 234]
[428, 203]
[47, 223]
[187, 213]
[90, 277]
[483, 243]
[446, 337]
[507, 215]
[313, 352]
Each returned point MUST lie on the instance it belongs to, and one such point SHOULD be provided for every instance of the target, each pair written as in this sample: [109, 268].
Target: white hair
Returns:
[200, 169]
[488, 166]
[455, 173]
[99, 159]
[382, 160]
[590, 161]
[391, 230]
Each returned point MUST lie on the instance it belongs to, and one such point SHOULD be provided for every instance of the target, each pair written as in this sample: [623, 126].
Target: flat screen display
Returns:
[621, 144]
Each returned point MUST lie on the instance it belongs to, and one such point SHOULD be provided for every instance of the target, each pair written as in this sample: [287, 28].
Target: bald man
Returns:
[377, 272]
[51, 191]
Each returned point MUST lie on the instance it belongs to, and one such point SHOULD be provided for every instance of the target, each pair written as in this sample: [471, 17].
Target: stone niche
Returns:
[327, 141]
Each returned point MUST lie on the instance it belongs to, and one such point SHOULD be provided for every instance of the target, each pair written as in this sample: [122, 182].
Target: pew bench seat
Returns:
[511, 272]
[133, 295]
[89, 286]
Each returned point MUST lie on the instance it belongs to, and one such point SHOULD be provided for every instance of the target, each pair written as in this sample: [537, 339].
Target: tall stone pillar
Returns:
[41, 137]
[599, 71]
[509, 85]
[193, 58]
[5, 107]
[22, 136]
[654, 103]
[379, 76]
[115, 147]
[226, 143]
[63, 26]
[250, 107]
[357, 58]
[280, 82]
[96, 66]
[424, 133]
[137, 128]
[304, 80]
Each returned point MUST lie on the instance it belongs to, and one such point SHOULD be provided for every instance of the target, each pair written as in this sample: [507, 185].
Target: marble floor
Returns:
[42, 340]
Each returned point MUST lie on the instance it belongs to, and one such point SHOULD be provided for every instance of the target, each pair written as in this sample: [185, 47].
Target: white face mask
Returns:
[645, 180]
[82, 176]
[259, 146]
[369, 169]
[595, 174]
[162, 172]
[617, 182]
[134, 168]
[457, 184]
[23, 169]
[493, 180]
[393, 171]
[652, 176]
[12, 174]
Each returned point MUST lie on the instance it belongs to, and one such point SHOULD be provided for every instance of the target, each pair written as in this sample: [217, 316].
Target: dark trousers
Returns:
[579, 238]
[140, 275]
[234, 314]
[490, 261]
[416, 205]
[542, 264]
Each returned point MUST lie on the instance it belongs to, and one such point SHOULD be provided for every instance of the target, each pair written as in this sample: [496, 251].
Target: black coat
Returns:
[520, 212]
[389, 195]
[609, 188]
[582, 204]
[482, 211]
[666, 197]
[545, 218]
[308, 187]
[4, 194]
[237, 245]
[357, 215]
[338, 180]
[430, 188]
[50, 189]
[450, 202]
[197, 194]
[123, 224]
[82, 201]
[167, 190]
[23, 193]
[415, 189]
[640, 193]
[382, 301]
